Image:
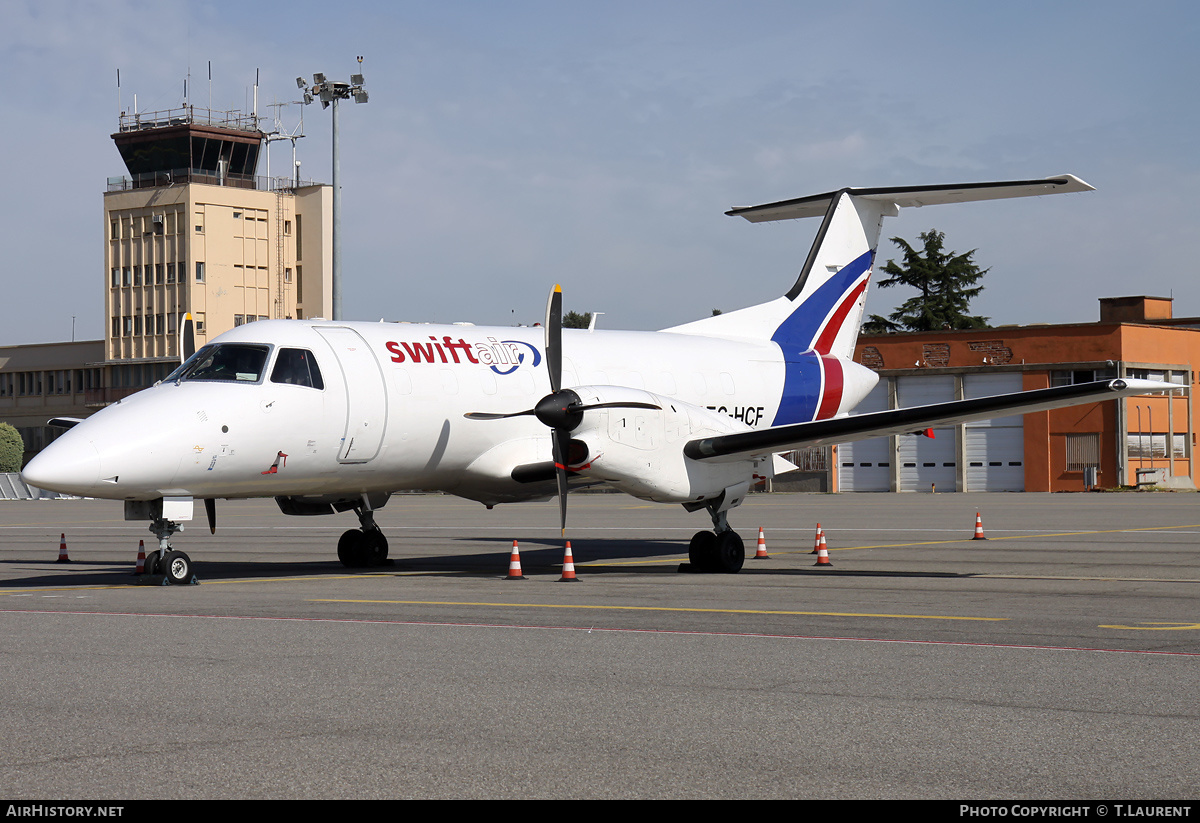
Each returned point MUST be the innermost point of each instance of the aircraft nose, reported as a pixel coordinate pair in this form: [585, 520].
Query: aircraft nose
[70, 468]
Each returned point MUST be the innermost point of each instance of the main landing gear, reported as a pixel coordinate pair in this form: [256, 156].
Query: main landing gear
[364, 546]
[720, 550]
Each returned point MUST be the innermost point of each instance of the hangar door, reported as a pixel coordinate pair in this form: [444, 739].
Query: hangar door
[865, 465]
[994, 449]
[926, 462]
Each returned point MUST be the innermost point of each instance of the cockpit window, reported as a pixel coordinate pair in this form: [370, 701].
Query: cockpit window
[298, 368]
[232, 362]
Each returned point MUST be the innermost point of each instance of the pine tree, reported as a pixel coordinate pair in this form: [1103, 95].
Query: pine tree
[575, 320]
[946, 282]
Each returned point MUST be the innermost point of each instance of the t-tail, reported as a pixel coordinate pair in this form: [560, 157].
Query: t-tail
[823, 309]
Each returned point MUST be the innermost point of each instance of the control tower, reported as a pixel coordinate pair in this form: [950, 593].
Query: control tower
[191, 228]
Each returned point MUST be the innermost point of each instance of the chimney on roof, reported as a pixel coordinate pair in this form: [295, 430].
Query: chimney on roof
[1134, 309]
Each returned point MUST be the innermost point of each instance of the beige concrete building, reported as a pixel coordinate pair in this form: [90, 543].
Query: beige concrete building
[190, 229]
[193, 230]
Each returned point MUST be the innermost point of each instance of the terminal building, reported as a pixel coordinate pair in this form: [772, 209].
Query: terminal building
[190, 228]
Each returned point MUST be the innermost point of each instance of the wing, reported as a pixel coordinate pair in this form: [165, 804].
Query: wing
[906, 421]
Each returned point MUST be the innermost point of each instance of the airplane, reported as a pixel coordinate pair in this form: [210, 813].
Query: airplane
[327, 416]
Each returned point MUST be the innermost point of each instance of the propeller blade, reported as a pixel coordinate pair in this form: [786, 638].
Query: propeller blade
[616, 404]
[497, 415]
[554, 338]
[187, 338]
[210, 509]
[562, 444]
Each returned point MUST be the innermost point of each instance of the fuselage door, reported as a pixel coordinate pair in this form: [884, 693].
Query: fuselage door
[366, 394]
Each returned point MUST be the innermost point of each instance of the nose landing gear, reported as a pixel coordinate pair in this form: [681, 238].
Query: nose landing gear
[174, 566]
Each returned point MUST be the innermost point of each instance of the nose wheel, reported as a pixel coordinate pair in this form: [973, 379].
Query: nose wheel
[174, 566]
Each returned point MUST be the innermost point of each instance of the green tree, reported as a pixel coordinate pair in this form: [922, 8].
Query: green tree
[12, 448]
[575, 320]
[946, 281]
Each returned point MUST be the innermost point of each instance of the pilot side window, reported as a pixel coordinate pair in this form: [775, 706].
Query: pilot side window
[297, 367]
[235, 362]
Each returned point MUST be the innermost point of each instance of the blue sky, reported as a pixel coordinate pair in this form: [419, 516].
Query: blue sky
[511, 145]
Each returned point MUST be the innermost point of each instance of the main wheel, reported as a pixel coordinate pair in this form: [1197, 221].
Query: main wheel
[177, 566]
[151, 564]
[376, 547]
[352, 549]
[702, 551]
[730, 552]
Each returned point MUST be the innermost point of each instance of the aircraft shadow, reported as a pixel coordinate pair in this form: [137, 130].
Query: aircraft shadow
[539, 557]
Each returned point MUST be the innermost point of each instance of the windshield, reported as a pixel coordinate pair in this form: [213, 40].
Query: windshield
[234, 362]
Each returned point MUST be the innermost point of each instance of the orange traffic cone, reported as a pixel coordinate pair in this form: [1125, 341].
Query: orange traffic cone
[978, 527]
[62, 549]
[514, 564]
[823, 553]
[141, 558]
[817, 539]
[761, 554]
[568, 575]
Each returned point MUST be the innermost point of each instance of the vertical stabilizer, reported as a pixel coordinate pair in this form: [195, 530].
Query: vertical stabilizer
[823, 310]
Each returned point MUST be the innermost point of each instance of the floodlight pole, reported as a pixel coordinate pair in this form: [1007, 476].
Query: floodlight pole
[337, 221]
[329, 93]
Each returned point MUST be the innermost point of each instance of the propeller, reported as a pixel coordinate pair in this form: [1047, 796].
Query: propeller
[562, 409]
[210, 509]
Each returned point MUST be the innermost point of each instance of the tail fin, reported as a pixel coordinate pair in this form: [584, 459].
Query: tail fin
[822, 311]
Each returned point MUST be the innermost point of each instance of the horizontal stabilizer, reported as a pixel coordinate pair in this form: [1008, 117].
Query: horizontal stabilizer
[912, 196]
[907, 421]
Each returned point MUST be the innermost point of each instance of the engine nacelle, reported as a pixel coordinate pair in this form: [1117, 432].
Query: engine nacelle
[640, 451]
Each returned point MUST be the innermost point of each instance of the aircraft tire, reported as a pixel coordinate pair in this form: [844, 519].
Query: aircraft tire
[376, 546]
[702, 551]
[730, 552]
[151, 564]
[177, 566]
[352, 549]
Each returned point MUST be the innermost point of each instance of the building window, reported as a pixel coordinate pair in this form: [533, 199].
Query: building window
[170, 272]
[158, 274]
[1071, 377]
[137, 275]
[126, 277]
[1083, 452]
[114, 230]
[199, 271]
[287, 228]
[116, 277]
[287, 275]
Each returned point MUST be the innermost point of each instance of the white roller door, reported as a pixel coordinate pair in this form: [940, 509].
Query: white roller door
[865, 465]
[926, 463]
[995, 449]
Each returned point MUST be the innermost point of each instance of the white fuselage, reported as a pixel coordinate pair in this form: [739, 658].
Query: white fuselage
[390, 414]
